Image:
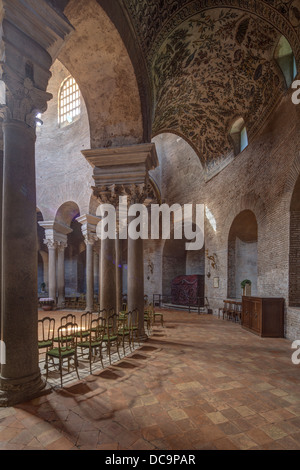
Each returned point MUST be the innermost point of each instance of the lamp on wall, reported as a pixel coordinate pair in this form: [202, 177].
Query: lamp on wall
[212, 262]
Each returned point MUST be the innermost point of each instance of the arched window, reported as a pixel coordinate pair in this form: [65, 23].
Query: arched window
[285, 58]
[239, 136]
[69, 102]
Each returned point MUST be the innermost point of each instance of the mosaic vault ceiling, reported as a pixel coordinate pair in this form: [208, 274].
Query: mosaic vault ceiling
[215, 67]
[208, 61]
[212, 66]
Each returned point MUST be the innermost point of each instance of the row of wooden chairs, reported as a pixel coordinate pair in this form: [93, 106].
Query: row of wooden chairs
[96, 334]
[231, 310]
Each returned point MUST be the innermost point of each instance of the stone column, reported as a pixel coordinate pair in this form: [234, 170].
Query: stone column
[108, 274]
[61, 274]
[1, 192]
[52, 250]
[56, 237]
[119, 273]
[119, 172]
[89, 224]
[45, 258]
[28, 32]
[89, 275]
[96, 268]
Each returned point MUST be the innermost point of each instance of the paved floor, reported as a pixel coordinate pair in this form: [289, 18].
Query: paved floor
[198, 383]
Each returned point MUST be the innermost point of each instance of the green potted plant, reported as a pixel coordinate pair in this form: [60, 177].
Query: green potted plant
[43, 287]
[244, 285]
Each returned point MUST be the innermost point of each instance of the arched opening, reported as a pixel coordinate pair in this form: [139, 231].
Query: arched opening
[294, 261]
[75, 261]
[286, 60]
[69, 102]
[183, 273]
[75, 251]
[242, 254]
[239, 136]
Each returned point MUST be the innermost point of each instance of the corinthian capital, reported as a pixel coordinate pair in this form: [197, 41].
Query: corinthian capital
[23, 100]
[51, 244]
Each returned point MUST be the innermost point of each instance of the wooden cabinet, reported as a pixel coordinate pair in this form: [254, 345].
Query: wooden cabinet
[264, 316]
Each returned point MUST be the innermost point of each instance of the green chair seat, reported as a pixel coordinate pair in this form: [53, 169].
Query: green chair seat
[87, 344]
[82, 334]
[45, 344]
[123, 332]
[64, 353]
[109, 338]
[58, 340]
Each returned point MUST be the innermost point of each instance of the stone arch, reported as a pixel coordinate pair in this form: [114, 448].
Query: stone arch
[242, 253]
[115, 114]
[66, 213]
[182, 136]
[292, 179]
[294, 261]
[177, 260]
[249, 201]
[75, 252]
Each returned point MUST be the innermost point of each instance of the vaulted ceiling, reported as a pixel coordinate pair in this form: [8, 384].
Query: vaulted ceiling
[207, 62]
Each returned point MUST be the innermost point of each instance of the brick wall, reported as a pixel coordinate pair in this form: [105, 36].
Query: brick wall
[260, 179]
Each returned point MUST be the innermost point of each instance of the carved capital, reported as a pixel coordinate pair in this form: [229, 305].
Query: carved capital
[142, 193]
[23, 100]
[51, 244]
[61, 246]
[90, 240]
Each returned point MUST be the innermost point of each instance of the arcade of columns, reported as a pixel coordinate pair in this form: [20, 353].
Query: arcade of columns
[29, 44]
[118, 172]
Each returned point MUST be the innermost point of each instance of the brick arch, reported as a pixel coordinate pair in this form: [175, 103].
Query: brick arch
[292, 180]
[250, 201]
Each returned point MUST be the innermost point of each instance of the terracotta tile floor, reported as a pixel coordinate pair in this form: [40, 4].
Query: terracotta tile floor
[198, 383]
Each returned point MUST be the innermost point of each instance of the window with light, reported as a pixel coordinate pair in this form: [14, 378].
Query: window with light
[69, 102]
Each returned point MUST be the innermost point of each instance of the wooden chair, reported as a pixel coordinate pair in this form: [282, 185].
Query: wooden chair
[239, 307]
[134, 327]
[160, 317]
[111, 338]
[149, 317]
[124, 332]
[231, 310]
[70, 318]
[46, 329]
[94, 343]
[226, 308]
[84, 330]
[66, 350]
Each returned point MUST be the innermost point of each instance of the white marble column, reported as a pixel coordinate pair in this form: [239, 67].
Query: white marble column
[45, 258]
[27, 34]
[61, 274]
[119, 274]
[89, 224]
[89, 275]
[52, 253]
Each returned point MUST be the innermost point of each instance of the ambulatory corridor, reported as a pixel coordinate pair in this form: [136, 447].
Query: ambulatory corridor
[198, 383]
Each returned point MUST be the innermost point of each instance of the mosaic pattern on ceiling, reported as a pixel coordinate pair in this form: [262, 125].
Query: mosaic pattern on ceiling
[216, 66]
[154, 19]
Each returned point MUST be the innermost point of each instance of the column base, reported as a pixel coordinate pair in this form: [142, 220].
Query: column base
[143, 337]
[14, 392]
